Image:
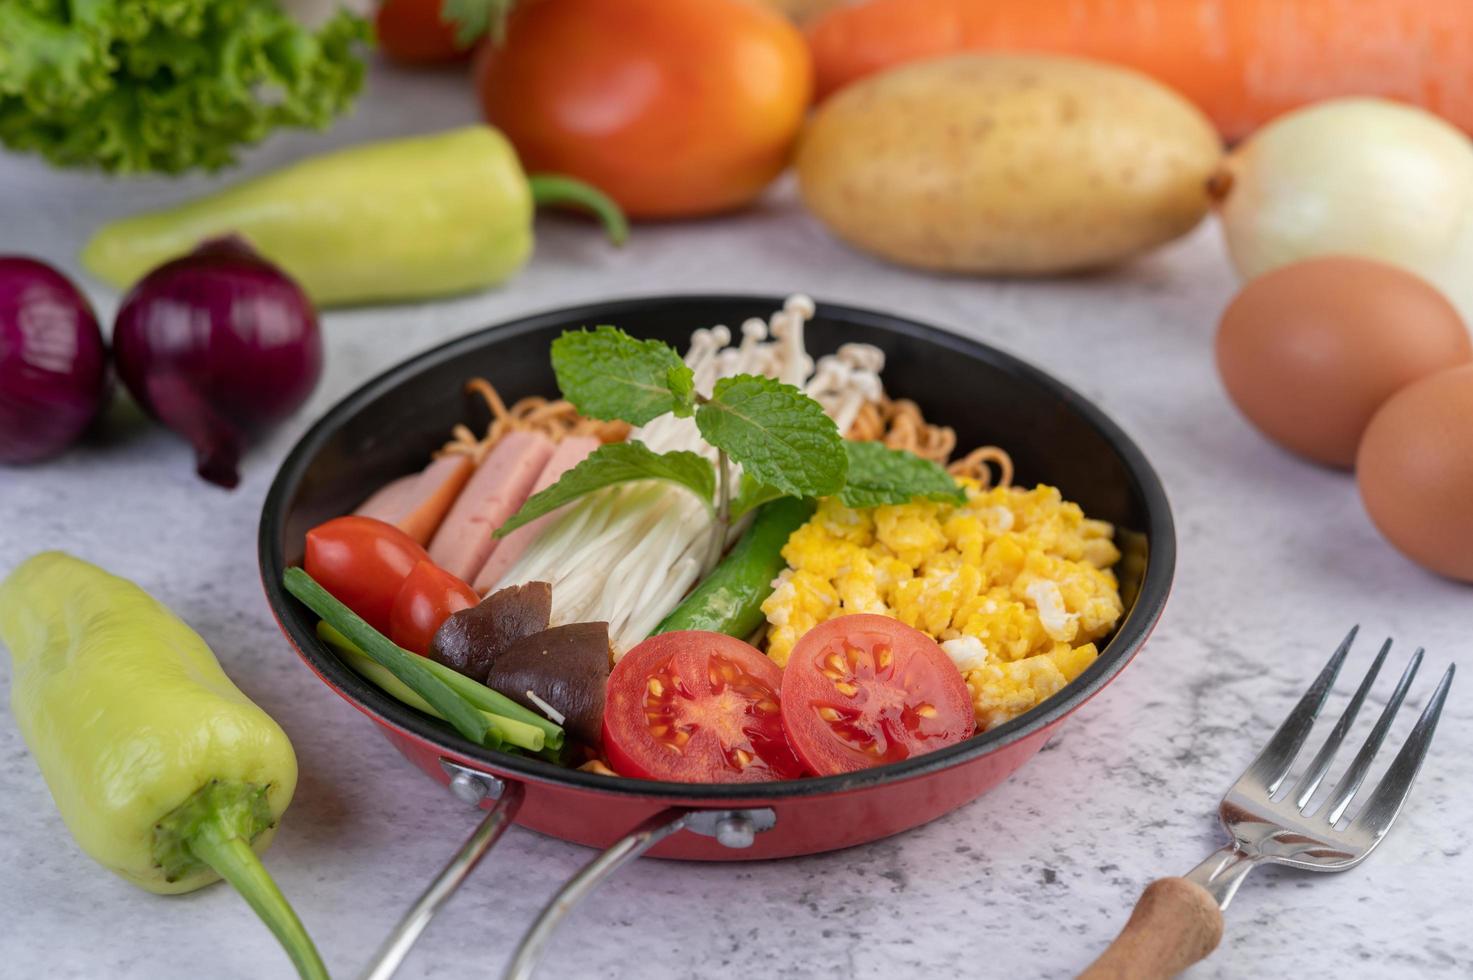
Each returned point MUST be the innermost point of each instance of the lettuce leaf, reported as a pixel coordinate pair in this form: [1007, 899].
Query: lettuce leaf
[132, 86]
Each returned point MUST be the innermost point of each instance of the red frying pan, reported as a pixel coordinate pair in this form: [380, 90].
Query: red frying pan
[389, 426]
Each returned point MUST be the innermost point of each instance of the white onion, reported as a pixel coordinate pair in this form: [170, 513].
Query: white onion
[1355, 177]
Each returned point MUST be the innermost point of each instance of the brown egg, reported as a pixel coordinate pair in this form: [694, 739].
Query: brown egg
[1310, 350]
[1415, 470]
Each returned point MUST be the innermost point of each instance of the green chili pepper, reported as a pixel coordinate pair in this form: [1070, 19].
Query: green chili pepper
[399, 219]
[730, 599]
[162, 769]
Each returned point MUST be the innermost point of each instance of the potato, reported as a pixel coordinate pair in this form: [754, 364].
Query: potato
[1007, 164]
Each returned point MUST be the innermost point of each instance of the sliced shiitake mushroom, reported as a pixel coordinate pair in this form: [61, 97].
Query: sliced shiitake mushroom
[567, 667]
[471, 640]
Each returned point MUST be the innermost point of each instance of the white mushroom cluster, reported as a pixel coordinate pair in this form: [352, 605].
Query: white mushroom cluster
[846, 380]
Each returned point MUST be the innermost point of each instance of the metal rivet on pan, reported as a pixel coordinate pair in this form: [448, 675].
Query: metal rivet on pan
[467, 788]
[735, 831]
[470, 785]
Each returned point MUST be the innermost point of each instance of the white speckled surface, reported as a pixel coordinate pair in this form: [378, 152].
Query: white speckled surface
[1276, 560]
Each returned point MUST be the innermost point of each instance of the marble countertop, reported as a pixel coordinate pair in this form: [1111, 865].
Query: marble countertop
[1277, 559]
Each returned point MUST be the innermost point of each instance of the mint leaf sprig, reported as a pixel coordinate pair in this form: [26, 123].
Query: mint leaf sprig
[784, 441]
[751, 495]
[880, 475]
[877, 475]
[779, 435]
[609, 375]
[619, 462]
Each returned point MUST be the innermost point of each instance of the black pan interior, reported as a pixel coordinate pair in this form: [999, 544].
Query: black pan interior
[389, 427]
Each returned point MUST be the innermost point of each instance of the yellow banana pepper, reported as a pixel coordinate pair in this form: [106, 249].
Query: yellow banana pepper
[400, 219]
[162, 769]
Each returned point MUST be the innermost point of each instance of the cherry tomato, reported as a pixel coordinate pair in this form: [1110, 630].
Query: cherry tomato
[411, 32]
[363, 563]
[697, 707]
[672, 107]
[426, 599]
[863, 690]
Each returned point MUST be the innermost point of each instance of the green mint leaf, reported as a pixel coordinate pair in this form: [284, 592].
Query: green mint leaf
[752, 495]
[779, 435]
[682, 382]
[619, 462]
[607, 374]
[879, 475]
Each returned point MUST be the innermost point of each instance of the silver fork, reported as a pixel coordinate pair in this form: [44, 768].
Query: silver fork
[1178, 921]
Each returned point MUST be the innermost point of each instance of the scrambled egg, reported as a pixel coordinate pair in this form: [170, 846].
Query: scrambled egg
[1015, 584]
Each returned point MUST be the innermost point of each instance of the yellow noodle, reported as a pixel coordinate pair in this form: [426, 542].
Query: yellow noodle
[974, 466]
[598, 766]
[899, 424]
[555, 419]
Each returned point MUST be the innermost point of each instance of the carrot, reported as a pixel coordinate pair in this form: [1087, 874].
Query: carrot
[1242, 61]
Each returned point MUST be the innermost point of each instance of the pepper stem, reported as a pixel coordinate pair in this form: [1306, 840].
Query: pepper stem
[215, 827]
[233, 859]
[559, 190]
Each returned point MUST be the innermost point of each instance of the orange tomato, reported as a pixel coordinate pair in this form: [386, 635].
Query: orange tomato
[672, 107]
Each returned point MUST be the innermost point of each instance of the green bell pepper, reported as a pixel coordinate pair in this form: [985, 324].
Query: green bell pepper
[395, 220]
[164, 772]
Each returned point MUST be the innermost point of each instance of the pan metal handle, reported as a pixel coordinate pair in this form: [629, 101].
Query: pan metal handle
[472, 787]
[731, 828]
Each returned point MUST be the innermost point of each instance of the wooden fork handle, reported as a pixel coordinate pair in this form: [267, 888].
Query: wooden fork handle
[1175, 924]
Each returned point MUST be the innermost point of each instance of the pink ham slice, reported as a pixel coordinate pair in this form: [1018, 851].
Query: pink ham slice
[416, 504]
[390, 501]
[569, 453]
[494, 492]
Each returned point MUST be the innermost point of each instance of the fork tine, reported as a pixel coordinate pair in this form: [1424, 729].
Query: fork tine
[1386, 800]
[1273, 763]
[1310, 781]
[1349, 783]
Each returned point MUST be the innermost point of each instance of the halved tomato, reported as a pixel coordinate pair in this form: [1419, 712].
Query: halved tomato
[426, 599]
[363, 562]
[863, 690]
[697, 707]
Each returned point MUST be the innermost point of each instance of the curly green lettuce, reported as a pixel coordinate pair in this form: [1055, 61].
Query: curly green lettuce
[131, 86]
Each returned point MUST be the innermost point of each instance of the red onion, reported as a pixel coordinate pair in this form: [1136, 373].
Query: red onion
[219, 345]
[53, 364]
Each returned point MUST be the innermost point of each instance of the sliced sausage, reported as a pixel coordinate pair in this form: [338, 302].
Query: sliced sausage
[493, 493]
[568, 454]
[416, 504]
[390, 501]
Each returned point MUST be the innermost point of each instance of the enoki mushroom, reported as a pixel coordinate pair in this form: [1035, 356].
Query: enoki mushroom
[899, 424]
[555, 419]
